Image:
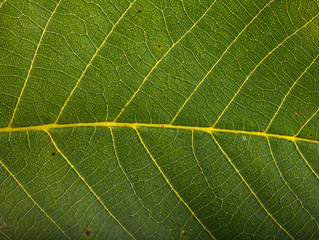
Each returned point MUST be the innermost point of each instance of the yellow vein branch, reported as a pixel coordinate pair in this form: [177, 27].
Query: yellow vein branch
[91, 60]
[2, 3]
[149, 125]
[86, 184]
[305, 160]
[198, 164]
[170, 185]
[262, 60]
[216, 63]
[158, 62]
[282, 177]
[32, 62]
[247, 185]
[34, 202]
[284, 99]
[1, 232]
[312, 116]
[127, 179]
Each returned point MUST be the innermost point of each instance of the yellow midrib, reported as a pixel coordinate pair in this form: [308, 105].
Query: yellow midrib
[150, 125]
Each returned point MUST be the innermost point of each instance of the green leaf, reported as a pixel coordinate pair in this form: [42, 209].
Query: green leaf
[161, 119]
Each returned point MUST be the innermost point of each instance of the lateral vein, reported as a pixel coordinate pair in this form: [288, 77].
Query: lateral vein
[32, 62]
[262, 60]
[293, 85]
[216, 63]
[170, 185]
[158, 62]
[91, 60]
[86, 184]
[247, 185]
[34, 202]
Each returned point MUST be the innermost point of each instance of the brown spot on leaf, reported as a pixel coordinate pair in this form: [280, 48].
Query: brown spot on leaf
[139, 10]
[88, 233]
[159, 45]
[3, 224]
[53, 154]
[311, 135]
[248, 38]
[297, 113]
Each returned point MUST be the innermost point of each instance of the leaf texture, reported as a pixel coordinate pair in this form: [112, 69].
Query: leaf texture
[161, 119]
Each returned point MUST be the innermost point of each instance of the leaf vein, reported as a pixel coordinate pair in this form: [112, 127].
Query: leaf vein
[32, 62]
[34, 202]
[284, 99]
[216, 63]
[247, 185]
[128, 180]
[170, 185]
[158, 62]
[274, 49]
[312, 116]
[305, 160]
[46, 127]
[86, 184]
[2, 3]
[91, 60]
[286, 183]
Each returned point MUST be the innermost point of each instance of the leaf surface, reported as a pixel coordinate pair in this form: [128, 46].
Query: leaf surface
[164, 119]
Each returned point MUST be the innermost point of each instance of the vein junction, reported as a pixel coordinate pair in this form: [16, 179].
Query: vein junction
[47, 127]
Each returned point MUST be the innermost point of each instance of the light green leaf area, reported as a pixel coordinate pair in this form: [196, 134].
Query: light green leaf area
[159, 119]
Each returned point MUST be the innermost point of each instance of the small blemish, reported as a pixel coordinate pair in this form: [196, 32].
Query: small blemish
[248, 38]
[297, 113]
[244, 138]
[139, 11]
[53, 154]
[159, 45]
[47, 230]
[3, 224]
[311, 134]
[184, 232]
[87, 233]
